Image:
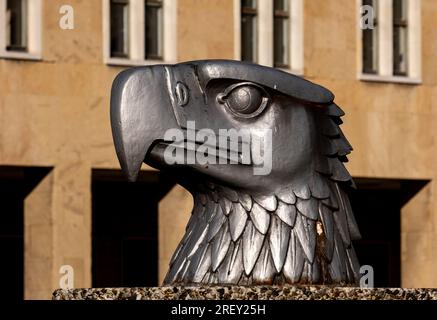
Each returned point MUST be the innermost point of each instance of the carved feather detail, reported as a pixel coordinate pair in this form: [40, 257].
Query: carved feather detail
[294, 263]
[303, 192]
[264, 270]
[226, 205]
[245, 201]
[269, 247]
[252, 245]
[301, 234]
[309, 208]
[279, 236]
[237, 221]
[260, 218]
[306, 233]
[220, 246]
[267, 202]
[228, 193]
[287, 213]
[286, 195]
[202, 262]
[231, 269]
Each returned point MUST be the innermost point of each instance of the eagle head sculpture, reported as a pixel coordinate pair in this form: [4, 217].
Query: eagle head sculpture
[292, 223]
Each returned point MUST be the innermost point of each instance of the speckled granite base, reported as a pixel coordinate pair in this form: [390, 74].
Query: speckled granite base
[246, 293]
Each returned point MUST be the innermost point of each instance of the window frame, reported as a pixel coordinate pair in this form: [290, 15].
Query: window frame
[253, 13]
[23, 47]
[385, 72]
[265, 34]
[126, 36]
[137, 49]
[401, 24]
[282, 15]
[375, 36]
[33, 49]
[155, 4]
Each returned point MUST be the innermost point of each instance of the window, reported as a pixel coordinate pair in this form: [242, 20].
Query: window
[21, 36]
[248, 30]
[134, 32]
[370, 41]
[16, 22]
[270, 33]
[391, 51]
[153, 29]
[119, 28]
[400, 37]
[281, 29]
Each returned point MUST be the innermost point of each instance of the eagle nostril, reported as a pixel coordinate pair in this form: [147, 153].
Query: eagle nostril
[182, 94]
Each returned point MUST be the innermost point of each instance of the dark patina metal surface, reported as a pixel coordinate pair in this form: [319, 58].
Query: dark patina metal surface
[294, 225]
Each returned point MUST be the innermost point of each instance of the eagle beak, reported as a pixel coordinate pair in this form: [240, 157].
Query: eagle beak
[141, 112]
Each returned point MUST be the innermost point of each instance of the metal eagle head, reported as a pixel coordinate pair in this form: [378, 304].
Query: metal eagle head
[286, 219]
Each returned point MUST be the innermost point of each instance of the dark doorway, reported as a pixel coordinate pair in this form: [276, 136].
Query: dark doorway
[15, 184]
[125, 228]
[377, 207]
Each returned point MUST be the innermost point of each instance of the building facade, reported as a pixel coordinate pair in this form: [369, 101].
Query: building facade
[59, 175]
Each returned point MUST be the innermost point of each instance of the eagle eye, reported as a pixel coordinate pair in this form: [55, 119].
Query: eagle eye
[244, 99]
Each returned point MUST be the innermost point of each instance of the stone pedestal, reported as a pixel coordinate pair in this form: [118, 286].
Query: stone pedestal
[246, 293]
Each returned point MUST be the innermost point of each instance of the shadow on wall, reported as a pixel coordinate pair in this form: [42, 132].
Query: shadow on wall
[377, 205]
[125, 228]
[15, 184]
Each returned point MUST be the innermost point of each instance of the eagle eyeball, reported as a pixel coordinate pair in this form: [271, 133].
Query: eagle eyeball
[245, 100]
